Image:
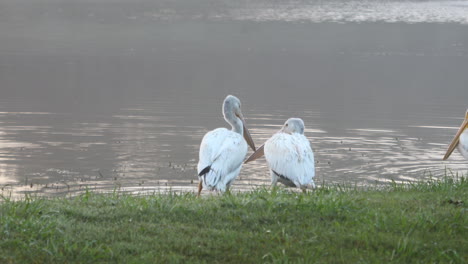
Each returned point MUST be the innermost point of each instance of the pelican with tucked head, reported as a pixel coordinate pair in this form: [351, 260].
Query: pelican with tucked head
[460, 140]
[222, 151]
[289, 156]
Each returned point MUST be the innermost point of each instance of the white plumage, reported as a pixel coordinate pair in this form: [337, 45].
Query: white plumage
[460, 140]
[222, 151]
[289, 156]
[463, 144]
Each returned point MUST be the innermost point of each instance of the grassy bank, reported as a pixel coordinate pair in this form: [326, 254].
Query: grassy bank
[413, 223]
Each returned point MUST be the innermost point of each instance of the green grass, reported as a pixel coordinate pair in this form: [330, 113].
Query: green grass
[424, 222]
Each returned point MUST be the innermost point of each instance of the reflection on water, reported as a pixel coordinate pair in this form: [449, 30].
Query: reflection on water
[355, 11]
[145, 151]
[103, 11]
[99, 95]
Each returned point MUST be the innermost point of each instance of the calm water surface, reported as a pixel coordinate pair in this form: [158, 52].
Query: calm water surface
[106, 95]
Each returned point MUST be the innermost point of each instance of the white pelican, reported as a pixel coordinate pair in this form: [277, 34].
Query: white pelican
[460, 140]
[222, 151]
[289, 156]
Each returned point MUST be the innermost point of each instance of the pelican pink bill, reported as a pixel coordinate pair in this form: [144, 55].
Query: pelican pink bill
[460, 140]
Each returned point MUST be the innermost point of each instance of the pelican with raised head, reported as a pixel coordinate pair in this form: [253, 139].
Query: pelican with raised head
[289, 156]
[460, 140]
[222, 151]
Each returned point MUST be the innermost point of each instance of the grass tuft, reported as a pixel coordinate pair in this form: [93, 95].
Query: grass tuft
[414, 222]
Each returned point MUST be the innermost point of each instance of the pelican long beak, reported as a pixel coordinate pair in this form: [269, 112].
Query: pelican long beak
[257, 154]
[247, 135]
[456, 139]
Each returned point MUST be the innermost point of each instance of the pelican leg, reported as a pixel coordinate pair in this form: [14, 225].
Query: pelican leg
[200, 187]
[274, 179]
[228, 187]
[311, 186]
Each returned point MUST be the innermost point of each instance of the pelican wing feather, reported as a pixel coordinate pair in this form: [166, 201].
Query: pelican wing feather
[221, 155]
[291, 156]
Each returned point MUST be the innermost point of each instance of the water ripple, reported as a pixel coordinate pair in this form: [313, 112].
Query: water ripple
[356, 11]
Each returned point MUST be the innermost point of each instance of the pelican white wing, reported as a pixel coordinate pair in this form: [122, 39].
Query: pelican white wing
[222, 152]
[463, 144]
[290, 157]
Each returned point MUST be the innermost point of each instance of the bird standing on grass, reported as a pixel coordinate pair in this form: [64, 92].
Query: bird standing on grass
[289, 156]
[460, 140]
[222, 151]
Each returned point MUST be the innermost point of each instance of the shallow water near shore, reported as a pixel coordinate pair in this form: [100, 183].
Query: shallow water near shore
[101, 96]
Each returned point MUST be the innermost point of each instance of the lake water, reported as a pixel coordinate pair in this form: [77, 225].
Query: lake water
[116, 95]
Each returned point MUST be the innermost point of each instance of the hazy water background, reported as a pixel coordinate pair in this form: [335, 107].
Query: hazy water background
[106, 94]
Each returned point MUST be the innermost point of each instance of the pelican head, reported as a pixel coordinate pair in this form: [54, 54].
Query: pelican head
[293, 125]
[456, 139]
[233, 115]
